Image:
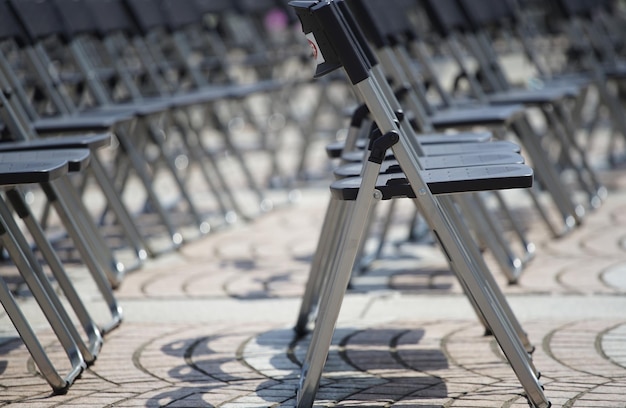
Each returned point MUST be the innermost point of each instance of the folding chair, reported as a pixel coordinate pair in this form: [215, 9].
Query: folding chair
[193, 90]
[397, 62]
[70, 216]
[27, 167]
[583, 65]
[337, 44]
[73, 214]
[572, 213]
[440, 151]
[596, 54]
[379, 26]
[487, 15]
[97, 53]
[24, 173]
[267, 66]
[63, 196]
[137, 120]
[209, 98]
[117, 33]
[31, 125]
[76, 159]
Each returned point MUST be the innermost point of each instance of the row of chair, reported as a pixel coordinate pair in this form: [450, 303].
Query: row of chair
[160, 107]
[396, 146]
[174, 86]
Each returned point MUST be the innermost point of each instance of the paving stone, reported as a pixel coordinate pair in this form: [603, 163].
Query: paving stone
[211, 325]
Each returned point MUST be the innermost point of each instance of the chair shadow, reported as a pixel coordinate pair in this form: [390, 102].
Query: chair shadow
[374, 364]
[8, 344]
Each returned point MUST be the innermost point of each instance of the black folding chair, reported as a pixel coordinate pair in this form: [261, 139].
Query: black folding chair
[137, 125]
[193, 90]
[25, 166]
[482, 18]
[447, 25]
[61, 194]
[379, 26]
[391, 41]
[17, 47]
[19, 173]
[574, 21]
[333, 33]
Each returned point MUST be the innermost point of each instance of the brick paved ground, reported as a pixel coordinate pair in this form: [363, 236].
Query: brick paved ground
[210, 325]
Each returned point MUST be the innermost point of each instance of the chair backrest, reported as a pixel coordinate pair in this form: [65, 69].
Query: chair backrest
[110, 16]
[40, 19]
[10, 29]
[576, 8]
[373, 20]
[255, 6]
[399, 30]
[383, 22]
[399, 26]
[214, 6]
[146, 14]
[76, 17]
[445, 16]
[181, 13]
[486, 13]
[609, 5]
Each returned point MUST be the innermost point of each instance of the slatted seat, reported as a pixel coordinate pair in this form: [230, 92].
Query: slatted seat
[445, 149]
[91, 142]
[19, 173]
[477, 19]
[394, 37]
[16, 172]
[438, 162]
[47, 167]
[333, 29]
[592, 64]
[441, 181]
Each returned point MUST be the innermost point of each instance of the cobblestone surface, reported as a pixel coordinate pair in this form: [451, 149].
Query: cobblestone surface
[210, 325]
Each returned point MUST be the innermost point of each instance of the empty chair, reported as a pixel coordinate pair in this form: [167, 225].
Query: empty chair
[330, 29]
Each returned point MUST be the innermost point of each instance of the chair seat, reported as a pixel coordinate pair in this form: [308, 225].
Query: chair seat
[442, 181]
[77, 159]
[217, 92]
[500, 146]
[75, 78]
[580, 79]
[438, 162]
[145, 107]
[94, 121]
[533, 96]
[492, 115]
[617, 71]
[263, 86]
[461, 137]
[91, 142]
[200, 96]
[333, 150]
[19, 172]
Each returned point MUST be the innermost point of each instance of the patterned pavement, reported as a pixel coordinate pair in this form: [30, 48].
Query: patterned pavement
[210, 325]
